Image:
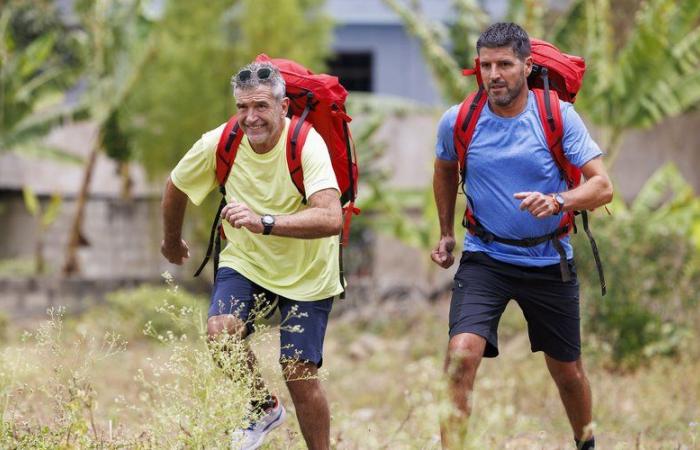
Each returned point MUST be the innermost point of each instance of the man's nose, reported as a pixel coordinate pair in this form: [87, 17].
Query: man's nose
[493, 73]
[250, 116]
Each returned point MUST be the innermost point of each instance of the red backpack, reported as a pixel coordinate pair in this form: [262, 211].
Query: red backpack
[555, 75]
[318, 101]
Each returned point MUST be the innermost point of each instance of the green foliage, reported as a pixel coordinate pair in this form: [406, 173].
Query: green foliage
[444, 67]
[185, 90]
[651, 256]
[38, 58]
[16, 267]
[294, 29]
[130, 312]
[114, 140]
[643, 67]
[469, 20]
[408, 215]
[44, 218]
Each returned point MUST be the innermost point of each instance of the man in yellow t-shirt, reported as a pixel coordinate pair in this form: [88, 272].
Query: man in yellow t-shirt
[277, 246]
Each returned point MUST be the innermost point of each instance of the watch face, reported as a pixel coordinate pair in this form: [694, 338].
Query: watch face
[268, 220]
[559, 199]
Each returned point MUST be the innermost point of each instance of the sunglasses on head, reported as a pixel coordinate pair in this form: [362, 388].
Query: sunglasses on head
[263, 74]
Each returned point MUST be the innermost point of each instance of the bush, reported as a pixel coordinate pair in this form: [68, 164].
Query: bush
[128, 312]
[652, 267]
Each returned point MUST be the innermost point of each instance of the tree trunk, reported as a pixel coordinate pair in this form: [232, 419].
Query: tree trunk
[126, 181]
[39, 262]
[71, 265]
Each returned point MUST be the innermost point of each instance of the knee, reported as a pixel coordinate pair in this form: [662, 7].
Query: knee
[570, 378]
[464, 353]
[225, 325]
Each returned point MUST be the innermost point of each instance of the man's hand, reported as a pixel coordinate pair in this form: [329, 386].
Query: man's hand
[539, 205]
[239, 215]
[442, 254]
[176, 252]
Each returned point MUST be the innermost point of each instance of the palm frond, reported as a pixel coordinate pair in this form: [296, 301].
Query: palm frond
[445, 69]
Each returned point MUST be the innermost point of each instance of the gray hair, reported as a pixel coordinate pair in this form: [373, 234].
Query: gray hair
[274, 80]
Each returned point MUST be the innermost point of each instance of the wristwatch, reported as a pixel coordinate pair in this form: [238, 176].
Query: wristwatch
[268, 222]
[560, 201]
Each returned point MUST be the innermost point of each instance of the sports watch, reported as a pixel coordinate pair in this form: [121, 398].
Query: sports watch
[560, 201]
[268, 222]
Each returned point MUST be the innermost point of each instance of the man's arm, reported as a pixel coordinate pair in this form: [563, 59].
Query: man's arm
[445, 185]
[595, 191]
[174, 203]
[322, 218]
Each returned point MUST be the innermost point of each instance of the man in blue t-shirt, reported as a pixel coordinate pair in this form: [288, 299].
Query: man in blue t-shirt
[515, 191]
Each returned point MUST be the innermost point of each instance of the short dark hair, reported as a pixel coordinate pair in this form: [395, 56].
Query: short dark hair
[504, 34]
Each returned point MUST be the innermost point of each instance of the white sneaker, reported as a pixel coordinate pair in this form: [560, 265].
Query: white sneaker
[253, 436]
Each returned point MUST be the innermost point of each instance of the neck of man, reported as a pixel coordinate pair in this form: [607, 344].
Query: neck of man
[513, 108]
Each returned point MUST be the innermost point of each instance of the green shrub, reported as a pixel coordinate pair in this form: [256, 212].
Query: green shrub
[652, 268]
[168, 309]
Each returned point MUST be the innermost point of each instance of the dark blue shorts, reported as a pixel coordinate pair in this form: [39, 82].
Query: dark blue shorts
[302, 323]
[483, 287]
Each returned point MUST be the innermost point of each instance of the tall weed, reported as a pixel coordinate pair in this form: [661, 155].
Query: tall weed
[52, 383]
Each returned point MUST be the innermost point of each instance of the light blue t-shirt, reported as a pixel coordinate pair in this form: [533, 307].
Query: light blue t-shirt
[509, 155]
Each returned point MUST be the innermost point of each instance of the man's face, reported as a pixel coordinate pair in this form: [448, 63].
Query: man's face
[261, 116]
[503, 73]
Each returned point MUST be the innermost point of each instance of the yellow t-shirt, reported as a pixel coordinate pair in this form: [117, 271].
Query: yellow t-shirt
[299, 269]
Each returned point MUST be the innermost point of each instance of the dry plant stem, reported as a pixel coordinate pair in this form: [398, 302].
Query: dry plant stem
[92, 423]
[403, 423]
[224, 330]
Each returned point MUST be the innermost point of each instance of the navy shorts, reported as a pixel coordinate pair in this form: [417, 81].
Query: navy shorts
[302, 323]
[483, 287]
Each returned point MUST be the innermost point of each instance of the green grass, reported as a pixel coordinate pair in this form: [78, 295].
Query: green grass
[72, 385]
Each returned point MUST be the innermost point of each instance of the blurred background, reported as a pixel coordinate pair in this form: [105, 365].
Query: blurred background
[99, 99]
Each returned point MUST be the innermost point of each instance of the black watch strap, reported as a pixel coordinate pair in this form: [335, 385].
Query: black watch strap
[268, 222]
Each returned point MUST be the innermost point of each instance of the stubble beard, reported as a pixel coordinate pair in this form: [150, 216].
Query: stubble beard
[510, 95]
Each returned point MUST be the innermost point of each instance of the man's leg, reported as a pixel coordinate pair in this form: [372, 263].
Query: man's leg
[464, 353]
[302, 332]
[223, 330]
[235, 301]
[310, 403]
[575, 393]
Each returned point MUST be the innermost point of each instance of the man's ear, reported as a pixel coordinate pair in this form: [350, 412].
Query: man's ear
[528, 66]
[285, 106]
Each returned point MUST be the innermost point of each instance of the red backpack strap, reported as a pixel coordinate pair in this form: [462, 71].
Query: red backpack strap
[468, 116]
[550, 116]
[296, 138]
[226, 151]
[464, 127]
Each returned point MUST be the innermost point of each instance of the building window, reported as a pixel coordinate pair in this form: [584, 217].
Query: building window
[353, 69]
